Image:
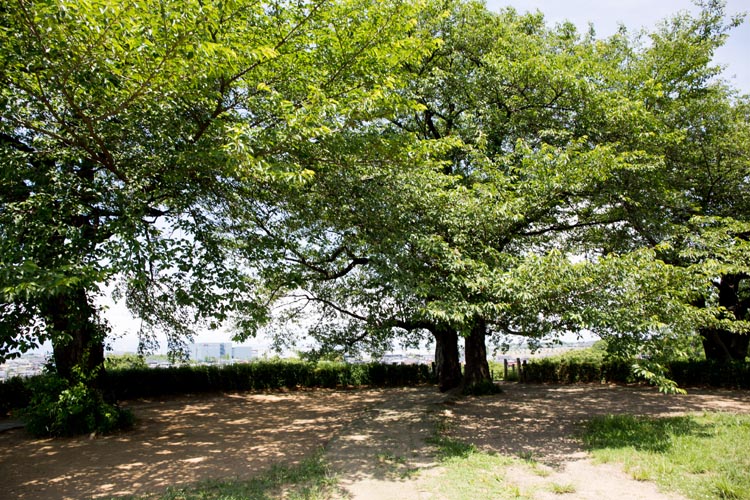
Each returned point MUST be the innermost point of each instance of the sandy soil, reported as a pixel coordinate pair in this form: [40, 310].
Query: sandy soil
[374, 440]
[179, 441]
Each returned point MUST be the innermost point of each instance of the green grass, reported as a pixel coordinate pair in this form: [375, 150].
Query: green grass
[562, 488]
[700, 456]
[471, 473]
[309, 480]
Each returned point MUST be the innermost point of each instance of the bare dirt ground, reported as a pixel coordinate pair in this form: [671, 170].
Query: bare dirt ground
[374, 440]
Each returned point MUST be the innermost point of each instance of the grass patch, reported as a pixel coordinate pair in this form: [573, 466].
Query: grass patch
[471, 473]
[562, 489]
[700, 456]
[309, 480]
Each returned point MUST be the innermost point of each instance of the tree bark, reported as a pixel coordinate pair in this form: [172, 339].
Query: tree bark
[477, 369]
[447, 362]
[723, 345]
[77, 340]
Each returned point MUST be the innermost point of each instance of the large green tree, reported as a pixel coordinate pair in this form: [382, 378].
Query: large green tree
[417, 218]
[128, 127]
[686, 206]
[530, 186]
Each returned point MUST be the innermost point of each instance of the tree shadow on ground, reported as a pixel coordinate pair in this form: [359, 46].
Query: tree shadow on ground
[178, 441]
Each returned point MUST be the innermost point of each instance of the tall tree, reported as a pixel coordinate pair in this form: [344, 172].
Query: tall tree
[415, 220]
[688, 202]
[126, 129]
[519, 146]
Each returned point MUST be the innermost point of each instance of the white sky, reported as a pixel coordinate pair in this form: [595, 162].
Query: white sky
[606, 16]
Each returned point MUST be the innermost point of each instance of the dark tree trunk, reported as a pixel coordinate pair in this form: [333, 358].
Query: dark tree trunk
[77, 340]
[723, 345]
[447, 363]
[477, 369]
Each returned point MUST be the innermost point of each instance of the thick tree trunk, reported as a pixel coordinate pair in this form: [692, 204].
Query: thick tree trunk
[477, 369]
[447, 362]
[723, 345]
[77, 339]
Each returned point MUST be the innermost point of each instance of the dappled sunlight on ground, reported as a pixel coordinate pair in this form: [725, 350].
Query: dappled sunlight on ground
[541, 421]
[376, 440]
[179, 441]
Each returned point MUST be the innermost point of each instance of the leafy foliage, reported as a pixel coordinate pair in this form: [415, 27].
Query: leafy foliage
[124, 361]
[130, 132]
[536, 182]
[399, 169]
[61, 408]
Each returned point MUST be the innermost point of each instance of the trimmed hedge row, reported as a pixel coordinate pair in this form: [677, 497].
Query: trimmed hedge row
[571, 372]
[732, 375]
[131, 383]
[149, 382]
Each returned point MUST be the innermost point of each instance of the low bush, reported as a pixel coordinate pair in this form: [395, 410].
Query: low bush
[704, 372]
[127, 360]
[60, 408]
[486, 388]
[564, 371]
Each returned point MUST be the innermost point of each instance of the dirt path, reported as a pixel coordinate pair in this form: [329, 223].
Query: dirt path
[374, 440]
[384, 453]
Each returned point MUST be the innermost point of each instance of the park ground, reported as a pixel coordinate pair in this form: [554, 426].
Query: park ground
[378, 443]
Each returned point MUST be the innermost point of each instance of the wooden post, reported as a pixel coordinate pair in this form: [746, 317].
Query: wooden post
[520, 374]
[505, 369]
[523, 371]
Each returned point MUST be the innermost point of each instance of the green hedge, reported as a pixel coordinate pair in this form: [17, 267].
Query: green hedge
[733, 375]
[264, 375]
[570, 372]
[131, 383]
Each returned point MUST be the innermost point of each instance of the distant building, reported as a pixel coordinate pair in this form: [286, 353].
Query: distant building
[221, 351]
[244, 353]
[211, 351]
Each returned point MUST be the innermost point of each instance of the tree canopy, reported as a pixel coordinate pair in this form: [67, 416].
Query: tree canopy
[541, 182]
[128, 127]
[403, 168]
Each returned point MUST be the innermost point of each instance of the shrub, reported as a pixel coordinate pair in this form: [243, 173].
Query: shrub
[260, 375]
[731, 375]
[565, 371]
[120, 361]
[61, 408]
[686, 373]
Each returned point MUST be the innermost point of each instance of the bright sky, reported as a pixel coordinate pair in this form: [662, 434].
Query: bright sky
[606, 16]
